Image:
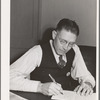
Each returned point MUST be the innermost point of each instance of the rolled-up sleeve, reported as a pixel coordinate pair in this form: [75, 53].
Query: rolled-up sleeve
[22, 68]
[79, 70]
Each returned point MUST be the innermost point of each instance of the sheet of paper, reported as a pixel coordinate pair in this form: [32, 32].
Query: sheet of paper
[16, 97]
[70, 95]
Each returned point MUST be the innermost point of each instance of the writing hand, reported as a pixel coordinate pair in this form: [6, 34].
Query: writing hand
[83, 89]
[50, 88]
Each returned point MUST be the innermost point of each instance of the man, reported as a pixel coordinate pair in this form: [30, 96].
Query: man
[43, 60]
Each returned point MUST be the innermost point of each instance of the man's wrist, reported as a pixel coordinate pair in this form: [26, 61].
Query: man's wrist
[89, 84]
[39, 89]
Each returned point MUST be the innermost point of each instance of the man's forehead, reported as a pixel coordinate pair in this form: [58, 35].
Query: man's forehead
[67, 35]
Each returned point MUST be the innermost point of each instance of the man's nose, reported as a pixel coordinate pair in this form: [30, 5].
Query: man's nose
[66, 46]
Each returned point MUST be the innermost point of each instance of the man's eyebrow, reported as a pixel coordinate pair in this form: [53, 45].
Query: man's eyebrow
[69, 42]
[72, 42]
[66, 40]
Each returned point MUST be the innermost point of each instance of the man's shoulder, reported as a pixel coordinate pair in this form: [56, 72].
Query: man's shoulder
[75, 47]
[36, 48]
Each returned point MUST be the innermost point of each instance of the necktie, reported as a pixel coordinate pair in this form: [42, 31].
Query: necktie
[61, 63]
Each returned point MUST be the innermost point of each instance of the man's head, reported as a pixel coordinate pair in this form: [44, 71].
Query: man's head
[65, 36]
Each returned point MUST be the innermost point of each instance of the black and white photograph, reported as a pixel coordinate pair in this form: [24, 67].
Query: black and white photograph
[52, 50]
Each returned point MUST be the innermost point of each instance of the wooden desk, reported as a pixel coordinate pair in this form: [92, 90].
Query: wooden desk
[37, 96]
[31, 95]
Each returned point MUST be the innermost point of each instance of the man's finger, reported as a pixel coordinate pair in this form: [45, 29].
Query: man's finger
[55, 89]
[79, 89]
[91, 91]
[88, 92]
[84, 91]
[53, 92]
[76, 89]
[59, 84]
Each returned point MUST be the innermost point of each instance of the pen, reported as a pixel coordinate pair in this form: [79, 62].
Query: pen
[54, 81]
[52, 78]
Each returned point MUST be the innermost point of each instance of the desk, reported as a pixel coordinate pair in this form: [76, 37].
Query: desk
[31, 95]
[37, 96]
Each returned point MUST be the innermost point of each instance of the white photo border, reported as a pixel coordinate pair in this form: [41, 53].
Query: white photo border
[5, 49]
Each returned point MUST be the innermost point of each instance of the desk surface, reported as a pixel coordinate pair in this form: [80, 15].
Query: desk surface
[38, 96]
[31, 95]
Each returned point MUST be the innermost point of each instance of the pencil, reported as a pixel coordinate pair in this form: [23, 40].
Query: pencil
[52, 78]
[54, 81]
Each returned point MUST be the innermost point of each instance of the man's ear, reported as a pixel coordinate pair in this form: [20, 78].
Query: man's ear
[54, 33]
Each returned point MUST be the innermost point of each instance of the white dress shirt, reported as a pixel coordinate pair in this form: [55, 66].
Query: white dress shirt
[22, 68]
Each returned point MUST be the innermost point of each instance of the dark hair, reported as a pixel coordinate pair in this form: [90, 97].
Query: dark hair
[69, 25]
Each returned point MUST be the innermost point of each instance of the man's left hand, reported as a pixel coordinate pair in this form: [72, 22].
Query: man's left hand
[84, 89]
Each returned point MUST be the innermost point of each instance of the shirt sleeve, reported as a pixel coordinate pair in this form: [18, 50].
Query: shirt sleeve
[22, 68]
[79, 70]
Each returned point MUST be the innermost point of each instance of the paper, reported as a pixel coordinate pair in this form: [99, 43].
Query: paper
[70, 95]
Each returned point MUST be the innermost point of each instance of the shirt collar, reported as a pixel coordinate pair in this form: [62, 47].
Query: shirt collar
[55, 54]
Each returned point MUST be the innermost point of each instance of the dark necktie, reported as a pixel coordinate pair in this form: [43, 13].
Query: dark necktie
[61, 63]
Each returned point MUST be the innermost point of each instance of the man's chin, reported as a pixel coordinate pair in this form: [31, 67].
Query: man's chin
[59, 53]
[62, 53]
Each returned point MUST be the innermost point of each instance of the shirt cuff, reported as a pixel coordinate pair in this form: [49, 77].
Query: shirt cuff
[33, 86]
[89, 84]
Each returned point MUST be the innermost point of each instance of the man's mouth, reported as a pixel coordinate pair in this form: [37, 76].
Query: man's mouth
[63, 51]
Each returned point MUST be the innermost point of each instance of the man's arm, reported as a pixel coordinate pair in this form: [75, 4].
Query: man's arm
[21, 68]
[80, 72]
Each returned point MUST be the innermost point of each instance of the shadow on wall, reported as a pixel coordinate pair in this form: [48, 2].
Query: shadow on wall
[47, 35]
[14, 55]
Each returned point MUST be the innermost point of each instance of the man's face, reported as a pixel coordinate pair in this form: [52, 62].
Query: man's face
[64, 41]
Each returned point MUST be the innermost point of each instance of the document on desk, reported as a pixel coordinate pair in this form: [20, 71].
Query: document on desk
[16, 97]
[70, 95]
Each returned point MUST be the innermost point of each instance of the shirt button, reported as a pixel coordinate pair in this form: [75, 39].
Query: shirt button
[68, 74]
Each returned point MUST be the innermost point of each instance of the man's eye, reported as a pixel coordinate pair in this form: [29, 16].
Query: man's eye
[71, 44]
[63, 42]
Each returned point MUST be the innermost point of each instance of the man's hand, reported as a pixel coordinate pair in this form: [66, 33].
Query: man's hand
[50, 88]
[84, 89]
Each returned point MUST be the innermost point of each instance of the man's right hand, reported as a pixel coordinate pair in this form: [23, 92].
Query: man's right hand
[50, 88]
